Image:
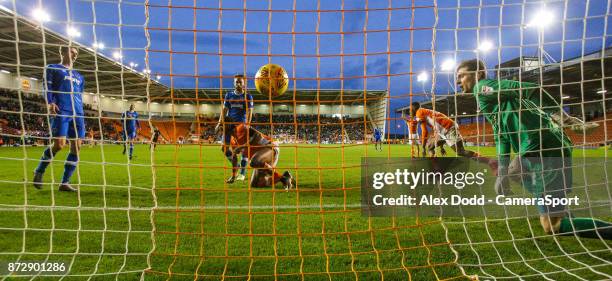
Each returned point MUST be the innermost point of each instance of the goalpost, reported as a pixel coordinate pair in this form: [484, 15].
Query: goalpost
[168, 214]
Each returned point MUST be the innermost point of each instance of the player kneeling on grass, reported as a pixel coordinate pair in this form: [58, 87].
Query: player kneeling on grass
[263, 152]
[434, 142]
[445, 131]
[544, 151]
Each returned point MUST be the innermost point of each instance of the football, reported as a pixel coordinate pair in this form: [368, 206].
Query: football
[272, 80]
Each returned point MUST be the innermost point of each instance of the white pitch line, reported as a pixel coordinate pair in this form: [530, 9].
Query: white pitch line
[600, 203]
[195, 208]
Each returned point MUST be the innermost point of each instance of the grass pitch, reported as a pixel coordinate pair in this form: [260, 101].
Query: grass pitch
[203, 229]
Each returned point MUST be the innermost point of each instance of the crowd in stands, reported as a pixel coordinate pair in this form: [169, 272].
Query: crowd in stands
[307, 128]
[312, 128]
[29, 112]
[12, 119]
[207, 128]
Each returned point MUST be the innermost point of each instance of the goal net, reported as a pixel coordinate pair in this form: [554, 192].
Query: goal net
[154, 199]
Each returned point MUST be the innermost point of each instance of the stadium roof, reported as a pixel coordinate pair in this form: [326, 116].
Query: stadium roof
[26, 52]
[30, 55]
[577, 80]
[301, 96]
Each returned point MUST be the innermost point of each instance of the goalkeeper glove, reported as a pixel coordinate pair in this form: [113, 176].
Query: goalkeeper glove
[502, 182]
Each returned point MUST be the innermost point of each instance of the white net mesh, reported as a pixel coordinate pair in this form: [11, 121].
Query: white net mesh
[160, 208]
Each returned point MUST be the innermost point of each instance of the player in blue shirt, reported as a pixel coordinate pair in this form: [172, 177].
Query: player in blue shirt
[131, 126]
[377, 139]
[64, 87]
[237, 108]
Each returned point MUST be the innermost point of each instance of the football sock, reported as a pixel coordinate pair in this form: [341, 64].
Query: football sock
[586, 227]
[228, 153]
[45, 160]
[276, 178]
[131, 150]
[243, 164]
[69, 167]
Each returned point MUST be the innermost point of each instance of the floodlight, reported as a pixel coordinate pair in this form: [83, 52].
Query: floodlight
[541, 19]
[73, 32]
[40, 15]
[448, 65]
[422, 77]
[98, 46]
[485, 46]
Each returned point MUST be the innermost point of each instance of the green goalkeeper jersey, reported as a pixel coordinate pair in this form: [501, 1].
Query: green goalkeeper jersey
[519, 123]
[536, 94]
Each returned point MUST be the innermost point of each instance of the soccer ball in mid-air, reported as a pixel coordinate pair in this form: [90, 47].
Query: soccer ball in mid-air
[271, 79]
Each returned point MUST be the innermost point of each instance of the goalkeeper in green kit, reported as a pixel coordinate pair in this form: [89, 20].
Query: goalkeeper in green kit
[526, 120]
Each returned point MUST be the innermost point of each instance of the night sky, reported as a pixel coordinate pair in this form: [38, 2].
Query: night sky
[367, 46]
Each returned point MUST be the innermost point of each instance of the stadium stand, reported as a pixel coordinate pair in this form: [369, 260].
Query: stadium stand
[145, 130]
[172, 130]
[477, 132]
[306, 128]
[481, 133]
[597, 137]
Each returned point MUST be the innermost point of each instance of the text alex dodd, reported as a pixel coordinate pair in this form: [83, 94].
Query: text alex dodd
[429, 200]
[455, 200]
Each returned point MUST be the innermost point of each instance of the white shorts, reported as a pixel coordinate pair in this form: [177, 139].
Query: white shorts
[451, 136]
[414, 139]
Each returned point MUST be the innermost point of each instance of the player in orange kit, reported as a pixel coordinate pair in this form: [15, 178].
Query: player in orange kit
[413, 136]
[445, 131]
[263, 153]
